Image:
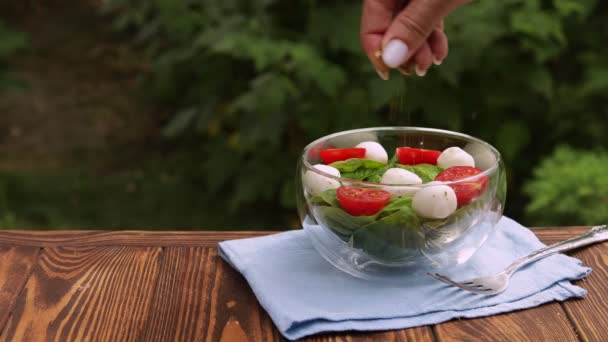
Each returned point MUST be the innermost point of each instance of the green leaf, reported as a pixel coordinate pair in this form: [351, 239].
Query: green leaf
[393, 238]
[327, 197]
[569, 7]
[340, 221]
[398, 203]
[362, 174]
[179, 123]
[354, 164]
[541, 25]
[374, 178]
[540, 80]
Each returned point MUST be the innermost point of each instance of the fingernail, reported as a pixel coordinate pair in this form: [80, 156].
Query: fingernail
[404, 71]
[394, 53]
[437, 61]
[420, 72]
[383, 74]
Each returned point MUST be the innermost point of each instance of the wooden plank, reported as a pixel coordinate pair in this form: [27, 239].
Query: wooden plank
[553, 235]
[545, 323]
[15, 266]
[404, 335]
[589, 314]
[197, 294]
[234, 310]
[122, 238]
[199, 297]
[180, 238]
[85, 293]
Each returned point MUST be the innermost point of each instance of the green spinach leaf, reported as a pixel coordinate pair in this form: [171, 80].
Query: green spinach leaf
[362, 174]
[341, 222]
[353, 164]
[398, 203]
[392, 238]
[327, 197]
[376, 177]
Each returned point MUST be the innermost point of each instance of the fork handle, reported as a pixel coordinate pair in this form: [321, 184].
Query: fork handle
[595, 234]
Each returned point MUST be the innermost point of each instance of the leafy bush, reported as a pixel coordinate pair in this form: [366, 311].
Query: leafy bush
[569, 187]
[254, 81]
[10, 42]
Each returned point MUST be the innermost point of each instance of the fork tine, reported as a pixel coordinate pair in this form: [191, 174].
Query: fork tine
[449, 281]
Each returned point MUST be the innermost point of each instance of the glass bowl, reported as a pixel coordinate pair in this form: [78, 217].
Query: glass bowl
[400, 241]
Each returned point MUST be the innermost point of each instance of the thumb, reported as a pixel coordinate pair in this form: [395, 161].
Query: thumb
[411, 27]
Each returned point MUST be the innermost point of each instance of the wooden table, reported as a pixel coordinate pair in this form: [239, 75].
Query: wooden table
[145, 286]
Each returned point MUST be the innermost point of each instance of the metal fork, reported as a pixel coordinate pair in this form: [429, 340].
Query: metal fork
[499, 282]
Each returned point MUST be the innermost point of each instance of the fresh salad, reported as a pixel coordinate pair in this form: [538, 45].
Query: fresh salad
[385, 219]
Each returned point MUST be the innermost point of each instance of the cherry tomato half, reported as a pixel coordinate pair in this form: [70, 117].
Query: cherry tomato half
[413, 156]
[467, 191]
[337, 154]
[362, 201]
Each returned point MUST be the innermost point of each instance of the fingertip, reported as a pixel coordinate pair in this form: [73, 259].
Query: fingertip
[423, 59]
[438, 42]
[383, 74]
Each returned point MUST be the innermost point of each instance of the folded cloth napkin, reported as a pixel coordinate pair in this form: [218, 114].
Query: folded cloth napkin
[305, 295]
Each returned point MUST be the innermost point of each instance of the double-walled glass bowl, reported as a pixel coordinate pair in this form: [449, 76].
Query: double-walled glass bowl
[394, 246]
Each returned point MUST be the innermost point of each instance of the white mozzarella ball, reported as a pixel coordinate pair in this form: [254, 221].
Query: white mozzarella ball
[400, 176]
[316, 183]
[397, 175]
[435, 202]
[374, 151]
[455, 156]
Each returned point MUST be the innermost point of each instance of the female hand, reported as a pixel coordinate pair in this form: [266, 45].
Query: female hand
[411, 39]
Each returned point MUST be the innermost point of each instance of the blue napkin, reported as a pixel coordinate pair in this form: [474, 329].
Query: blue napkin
[305, 295]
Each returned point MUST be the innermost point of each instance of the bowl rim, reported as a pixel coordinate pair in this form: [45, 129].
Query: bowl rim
[489, 171]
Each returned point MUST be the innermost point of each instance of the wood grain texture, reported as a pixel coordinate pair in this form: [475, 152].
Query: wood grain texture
[124, 286]
[85, 293]
[553, 235]
[122, 238]
[181, 303]
[403, 335]
[199, 297]
[15, 266]
[589, 314]
[544, 323]
[179, 238]
[234, 306]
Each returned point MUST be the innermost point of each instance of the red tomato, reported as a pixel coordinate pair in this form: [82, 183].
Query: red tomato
[337, 154]
[362, 201]
[467, 191]
[413, 156]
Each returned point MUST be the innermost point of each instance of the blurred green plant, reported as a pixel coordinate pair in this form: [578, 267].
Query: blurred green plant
[159, 194]
[10, 43]
[569, 187]
[254, 81]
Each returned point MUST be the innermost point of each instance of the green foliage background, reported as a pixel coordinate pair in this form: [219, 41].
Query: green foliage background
[252, 82]
[257, 80]
[575, 193]
[10, 43]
